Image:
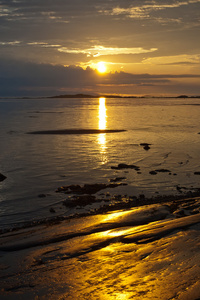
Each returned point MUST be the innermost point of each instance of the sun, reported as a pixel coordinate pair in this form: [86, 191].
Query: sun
[101, 67]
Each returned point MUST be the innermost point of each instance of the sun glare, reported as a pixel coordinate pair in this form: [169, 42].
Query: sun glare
[102, 113]
[101, 67]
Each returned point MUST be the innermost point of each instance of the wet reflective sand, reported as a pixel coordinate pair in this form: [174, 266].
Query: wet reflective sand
[150, 252]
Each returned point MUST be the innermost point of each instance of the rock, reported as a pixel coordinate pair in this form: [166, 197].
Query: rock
[2, 177]
[52, 210]
[163, 171]
[153, 172]
[145, 146]
[160, 170]
[82, 200]
[75, 187]
[41, 195]
[125, 166]
[87, 188]
[179, 189]
[196, 173]
[117, 179]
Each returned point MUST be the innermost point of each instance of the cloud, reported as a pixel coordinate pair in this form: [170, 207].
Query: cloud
[96, 51]
[66, 11]
[12, 43]
[22, 78]
[182, 63]
[29, 79]
[42, 10]
[40, 37]
[43, 44]
[177, 59]
[144, 10]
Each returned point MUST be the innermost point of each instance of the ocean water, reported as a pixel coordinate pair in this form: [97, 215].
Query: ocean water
[39, 164]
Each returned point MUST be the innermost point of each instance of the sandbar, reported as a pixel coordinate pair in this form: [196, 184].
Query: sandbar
[76, 131]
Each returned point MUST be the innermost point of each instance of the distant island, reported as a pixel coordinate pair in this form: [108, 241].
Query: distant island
[117, 96]
[92, 96]
[74, 96]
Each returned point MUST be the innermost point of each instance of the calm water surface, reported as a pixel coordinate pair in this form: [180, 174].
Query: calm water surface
[39, 164]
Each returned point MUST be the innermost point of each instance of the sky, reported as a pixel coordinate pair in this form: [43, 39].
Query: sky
[148, 47]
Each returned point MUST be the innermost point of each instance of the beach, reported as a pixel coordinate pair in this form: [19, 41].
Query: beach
[99, 150]
[146, 252]
[100, 199]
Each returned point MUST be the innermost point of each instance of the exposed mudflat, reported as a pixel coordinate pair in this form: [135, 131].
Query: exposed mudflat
[148, 252]
[76, 131]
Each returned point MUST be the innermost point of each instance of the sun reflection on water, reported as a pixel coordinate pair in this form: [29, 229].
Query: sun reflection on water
[102, 125]
[102, 113]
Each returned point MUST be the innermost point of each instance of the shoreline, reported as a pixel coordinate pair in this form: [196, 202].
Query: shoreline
[149, 251]
[123, 203]
[103, 96]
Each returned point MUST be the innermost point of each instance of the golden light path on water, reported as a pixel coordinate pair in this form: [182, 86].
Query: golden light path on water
[102, 125]
[102, 113]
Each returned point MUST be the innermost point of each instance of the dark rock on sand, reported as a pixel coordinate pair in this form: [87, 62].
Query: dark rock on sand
[125, 166]
[196, 173]
[179, 189]
[117, 179]
[153, 172]
[41, 196]
[145, 146]
[80, 200]
[160, 171]
[163, 171]
[52, 210]
[87, 188]
[2, 177]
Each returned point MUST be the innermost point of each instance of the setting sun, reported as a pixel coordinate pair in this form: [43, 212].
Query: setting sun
[101, 67]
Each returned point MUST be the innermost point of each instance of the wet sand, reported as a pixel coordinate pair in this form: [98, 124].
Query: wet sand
[146, 252]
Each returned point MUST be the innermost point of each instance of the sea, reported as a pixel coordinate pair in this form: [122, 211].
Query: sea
[36, 165]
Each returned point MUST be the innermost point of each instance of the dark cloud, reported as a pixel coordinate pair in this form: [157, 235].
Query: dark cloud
[32, 32]
[183, 63]
[28, 79]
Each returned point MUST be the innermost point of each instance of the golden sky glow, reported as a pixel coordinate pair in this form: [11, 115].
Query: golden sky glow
[101, 67]
[148, 47]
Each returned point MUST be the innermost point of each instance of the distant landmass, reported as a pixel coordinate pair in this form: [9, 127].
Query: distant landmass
[92, 96]
[116, 96]
[103, 96]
